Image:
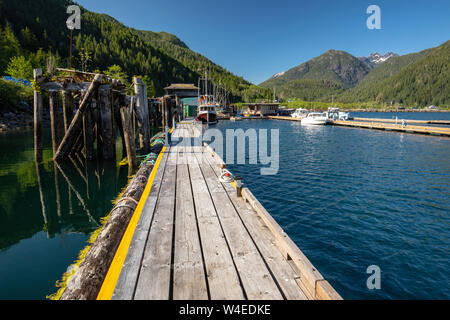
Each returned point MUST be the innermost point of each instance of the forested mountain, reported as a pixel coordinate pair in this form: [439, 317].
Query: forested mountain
[36, 30]
[417, 79]
[333, 65]
[311, 90]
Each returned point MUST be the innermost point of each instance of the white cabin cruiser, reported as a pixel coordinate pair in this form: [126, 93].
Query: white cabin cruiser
[300, 113]
[315, 118]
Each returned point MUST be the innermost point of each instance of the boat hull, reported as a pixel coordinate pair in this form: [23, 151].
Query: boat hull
[204, 118]
[314, 122]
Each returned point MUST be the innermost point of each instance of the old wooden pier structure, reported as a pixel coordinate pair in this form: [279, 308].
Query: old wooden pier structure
[86, 109]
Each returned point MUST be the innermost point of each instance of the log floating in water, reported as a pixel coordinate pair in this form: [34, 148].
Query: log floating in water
[87, 280]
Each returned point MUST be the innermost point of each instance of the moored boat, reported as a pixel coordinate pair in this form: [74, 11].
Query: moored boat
[207, 114]
[315, 118]
[299, 113]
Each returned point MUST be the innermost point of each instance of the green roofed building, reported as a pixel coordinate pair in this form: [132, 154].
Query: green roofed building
[190, 106]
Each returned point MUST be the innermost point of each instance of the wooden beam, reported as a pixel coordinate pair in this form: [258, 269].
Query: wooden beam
[56, 120]
[76, 125]
[127, 125]
[106, 118]
[67, 100]
[88, 128]
[142, 115]
[37, 74]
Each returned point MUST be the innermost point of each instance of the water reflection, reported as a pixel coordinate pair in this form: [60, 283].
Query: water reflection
[47, 212]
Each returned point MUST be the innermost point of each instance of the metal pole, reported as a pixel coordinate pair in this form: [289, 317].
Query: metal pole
[70, 59]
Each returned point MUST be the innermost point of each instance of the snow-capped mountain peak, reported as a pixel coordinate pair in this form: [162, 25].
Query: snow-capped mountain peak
[278, 75]
[377, 58]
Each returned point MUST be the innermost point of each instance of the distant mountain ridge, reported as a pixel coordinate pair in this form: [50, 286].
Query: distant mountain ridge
[333, 65]
[417, 79]
[340, 75]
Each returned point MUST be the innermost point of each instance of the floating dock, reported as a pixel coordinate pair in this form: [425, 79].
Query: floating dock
[384, 124]
[436, 131]
[398, 121]
[195, 238]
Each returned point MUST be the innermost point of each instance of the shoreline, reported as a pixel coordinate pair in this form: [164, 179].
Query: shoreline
[20, 119]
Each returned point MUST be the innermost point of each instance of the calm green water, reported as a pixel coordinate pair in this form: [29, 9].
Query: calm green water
[47, 213]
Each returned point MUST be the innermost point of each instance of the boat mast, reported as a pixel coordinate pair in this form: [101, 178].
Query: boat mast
[206, 86]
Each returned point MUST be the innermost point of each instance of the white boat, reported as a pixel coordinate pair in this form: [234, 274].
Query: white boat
[315, 118]
[299, 113]
[336, 114]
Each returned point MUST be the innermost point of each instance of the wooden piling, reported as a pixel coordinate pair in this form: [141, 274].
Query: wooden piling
[106, 118]
[126, 114]
[67, 101]
[76, 125]
[142, 114]
[56, 120]
[117, 103]
[88, 128]
[37, 74]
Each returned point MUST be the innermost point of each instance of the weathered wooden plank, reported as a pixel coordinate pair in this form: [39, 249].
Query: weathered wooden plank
[126, 284]
[189, 282]
[256, 278]
[266, 243]
[222, 276]
[154, 278]
[324, 291]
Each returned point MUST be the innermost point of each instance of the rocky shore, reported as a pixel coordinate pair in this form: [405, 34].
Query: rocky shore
[21, 118]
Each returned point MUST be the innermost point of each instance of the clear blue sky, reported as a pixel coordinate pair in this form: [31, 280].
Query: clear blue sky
[258, 38]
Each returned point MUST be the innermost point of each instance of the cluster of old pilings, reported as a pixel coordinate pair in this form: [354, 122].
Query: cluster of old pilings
[87, 110]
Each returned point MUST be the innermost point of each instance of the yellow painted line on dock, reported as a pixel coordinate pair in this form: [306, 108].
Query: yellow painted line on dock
[109, 284]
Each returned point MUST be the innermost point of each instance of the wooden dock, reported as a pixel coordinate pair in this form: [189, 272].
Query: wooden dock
[384, 124]
[398, 121]
[436, 131]
[195, 238]
[283, 118]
